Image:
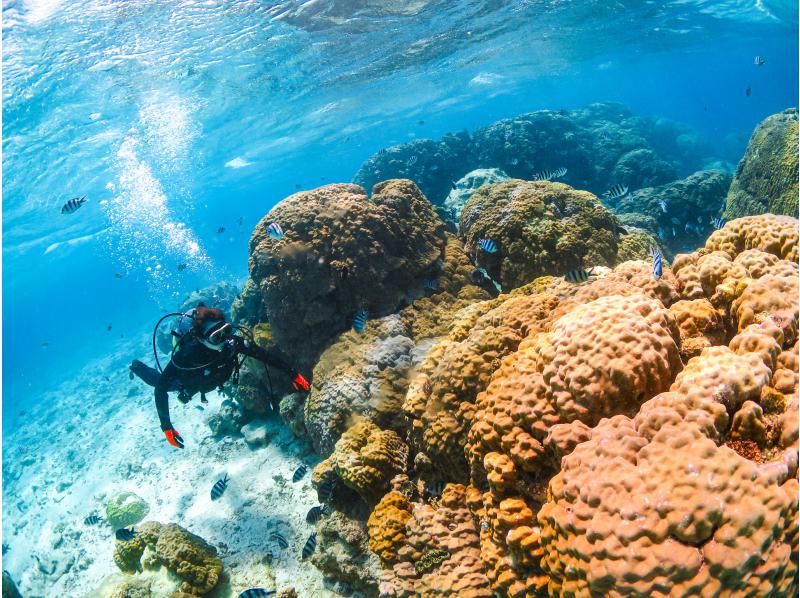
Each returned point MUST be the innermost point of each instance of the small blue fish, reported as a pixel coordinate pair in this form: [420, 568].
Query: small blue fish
[256, 593]
[616, 192]
[657, 266]
[300, 472]
[92, 520]
[310, 547]
[219, 488]
[718, 222]
[431, 284]
[360, 320]
[73, 204]
[125, 534]
[279, 539]
[675, 221]
[664, 205]
[759, 61]
[275, 231]
[487, 245]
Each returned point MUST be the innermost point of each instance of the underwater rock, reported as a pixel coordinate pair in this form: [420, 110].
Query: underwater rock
[220, 295]
[186, 555]
[766, 178]
[247, 309]
[343, 553]
[341, 252]
[642, 168]
[228, 420]
[432, 165]
[9, 587]
[467, 185]
[540, 228]
[292, 407]
[256, 433]
[125, 508]
[684, 207]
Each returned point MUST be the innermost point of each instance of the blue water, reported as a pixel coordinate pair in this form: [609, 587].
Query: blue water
[178, 118]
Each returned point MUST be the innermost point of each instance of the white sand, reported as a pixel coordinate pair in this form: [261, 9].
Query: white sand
[89, 440]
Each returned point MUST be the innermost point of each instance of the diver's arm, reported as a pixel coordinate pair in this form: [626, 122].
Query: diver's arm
[273, 358]
[162, 405]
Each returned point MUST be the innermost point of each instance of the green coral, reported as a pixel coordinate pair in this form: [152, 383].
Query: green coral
[430, 560]
[540, 228]
[766, 178]
[636, 246]
[126, 508]
[262, 334]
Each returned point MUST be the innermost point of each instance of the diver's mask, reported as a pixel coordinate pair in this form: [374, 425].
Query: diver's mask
[215, 335]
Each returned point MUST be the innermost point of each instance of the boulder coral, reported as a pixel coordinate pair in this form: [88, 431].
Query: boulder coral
[766, 178]
[341, 251]
[540, 228]
[468, 184]
[186, 555]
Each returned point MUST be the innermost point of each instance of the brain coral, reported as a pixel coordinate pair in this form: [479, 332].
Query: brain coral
[540, 228]
[766, 179]
[125, 508]
[769, 233]
[341, 251]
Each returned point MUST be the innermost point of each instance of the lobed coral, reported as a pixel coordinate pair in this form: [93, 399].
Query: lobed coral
[125, 508]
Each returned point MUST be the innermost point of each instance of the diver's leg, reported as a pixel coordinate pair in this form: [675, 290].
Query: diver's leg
[147, 374]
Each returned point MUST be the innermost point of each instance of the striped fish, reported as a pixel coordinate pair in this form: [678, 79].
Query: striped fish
[360, 320]
[256, 593]
[326, 489]
[759, 61]
[275, 231]
[549, 175]
[412, 160]
[718, 222]
[487, 245]
[616, 192]
[657, 266]
[435, 488]
[579, 275]
[310, 547]
[93, 520]
[125, 534]
[219, 488]
[279, 539]
[73, 204]
[300, 472]
[315, 513]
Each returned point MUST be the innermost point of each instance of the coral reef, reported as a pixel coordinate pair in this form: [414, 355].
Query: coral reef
[341, 252]
[186, 555]
[468, 184]
[540, 228]
[291, 410]
[766, 178]
[125, 508]
[679, 213]
[343, 553]
[228, 420]
[366, 458]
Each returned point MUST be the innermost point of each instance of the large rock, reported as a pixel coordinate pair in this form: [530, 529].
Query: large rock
[766, 179]
[341, 252]
[256, 433]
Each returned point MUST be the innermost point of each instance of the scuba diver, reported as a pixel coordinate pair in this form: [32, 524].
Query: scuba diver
[205, 354]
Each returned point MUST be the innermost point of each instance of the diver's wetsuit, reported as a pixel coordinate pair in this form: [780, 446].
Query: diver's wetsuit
[196, 368]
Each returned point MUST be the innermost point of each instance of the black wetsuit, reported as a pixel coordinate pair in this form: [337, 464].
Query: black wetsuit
[196, 368]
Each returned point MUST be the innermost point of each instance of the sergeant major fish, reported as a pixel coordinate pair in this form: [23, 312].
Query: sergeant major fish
[310, 546]
[275, 231]
[219, 488]
[125, 534]
[360, 320]
[72, 205]
[657, 266]
[256, 593]
[488, 245]
[300, 472]
[616, 192]
[578, 276]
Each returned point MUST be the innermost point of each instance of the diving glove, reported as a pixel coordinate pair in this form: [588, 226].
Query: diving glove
[300, 383]
[174, 438]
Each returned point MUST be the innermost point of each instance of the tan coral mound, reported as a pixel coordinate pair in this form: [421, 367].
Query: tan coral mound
[441, 553]
[667, 513]
[366, 459]
[387, 526]
[701, 325]
[602, 358]
[772, 296]
[190, 557]
[767, 232]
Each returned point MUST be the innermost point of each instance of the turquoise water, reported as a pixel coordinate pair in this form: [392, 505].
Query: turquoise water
[177, 119]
